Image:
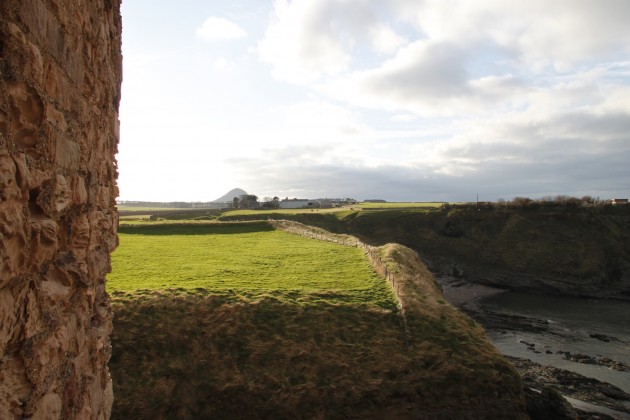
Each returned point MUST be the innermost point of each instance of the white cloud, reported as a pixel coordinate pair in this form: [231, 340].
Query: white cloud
[311, 39]
[489, 56]
[219, 29]
[385, 40]
[424, 77]
[300, 43]
[558, 34]
[572, 153]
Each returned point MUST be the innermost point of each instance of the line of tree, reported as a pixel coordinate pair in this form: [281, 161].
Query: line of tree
[547, 201]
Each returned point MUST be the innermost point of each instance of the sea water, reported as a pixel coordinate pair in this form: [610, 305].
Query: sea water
[572, 322]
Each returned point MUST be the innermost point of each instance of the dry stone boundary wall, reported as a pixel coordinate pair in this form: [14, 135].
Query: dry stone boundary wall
[373, 254]
[60, 77]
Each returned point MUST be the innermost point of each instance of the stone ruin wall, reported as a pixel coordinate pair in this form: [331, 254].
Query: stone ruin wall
[60, 76]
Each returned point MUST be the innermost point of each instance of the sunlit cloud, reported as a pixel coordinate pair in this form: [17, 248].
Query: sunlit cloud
[219, 29]
[300, 44]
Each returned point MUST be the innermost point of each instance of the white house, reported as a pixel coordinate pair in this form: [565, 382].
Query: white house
[298, 203]
[324, 203]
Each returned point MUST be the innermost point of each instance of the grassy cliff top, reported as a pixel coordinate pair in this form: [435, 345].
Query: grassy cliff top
[251, 258]
[577, 251]
[233, 353]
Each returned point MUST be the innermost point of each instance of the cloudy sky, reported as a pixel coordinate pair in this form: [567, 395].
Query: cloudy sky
[405, 100]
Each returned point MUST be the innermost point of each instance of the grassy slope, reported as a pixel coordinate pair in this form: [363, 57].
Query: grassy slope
[193, 354]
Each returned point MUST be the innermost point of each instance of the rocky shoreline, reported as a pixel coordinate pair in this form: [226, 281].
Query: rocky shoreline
[538, 377]
[501, 322]
[544, 384]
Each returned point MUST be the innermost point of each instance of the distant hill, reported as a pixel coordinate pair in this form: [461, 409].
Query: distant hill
[236, 192]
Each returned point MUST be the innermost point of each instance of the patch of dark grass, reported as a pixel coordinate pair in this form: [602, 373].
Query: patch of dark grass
[195, 228]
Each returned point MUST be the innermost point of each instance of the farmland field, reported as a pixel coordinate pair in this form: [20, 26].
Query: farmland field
[401, 205]
[250, 258]
[147, 209]
[263, 213]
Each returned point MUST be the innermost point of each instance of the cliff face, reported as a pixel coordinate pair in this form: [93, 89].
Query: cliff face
[578, 252]
[60, 76]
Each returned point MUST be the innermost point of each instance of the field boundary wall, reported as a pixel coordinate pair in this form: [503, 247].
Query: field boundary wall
[373, 254]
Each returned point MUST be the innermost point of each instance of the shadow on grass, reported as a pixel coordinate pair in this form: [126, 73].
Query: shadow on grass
[195, 229]
[203, 355]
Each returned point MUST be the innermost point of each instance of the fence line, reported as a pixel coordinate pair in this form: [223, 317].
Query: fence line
[373, 254]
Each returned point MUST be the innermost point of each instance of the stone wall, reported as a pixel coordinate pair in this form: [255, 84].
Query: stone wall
[60, 76]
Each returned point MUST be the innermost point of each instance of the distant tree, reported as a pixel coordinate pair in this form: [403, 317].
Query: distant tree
[235, 202]
[271, 203]
[566, 201]
[521, 201]
[248, 201]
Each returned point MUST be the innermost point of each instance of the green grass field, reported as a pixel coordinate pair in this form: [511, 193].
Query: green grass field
[147, 209]
[237, 320]
[249, 258]
[358, 206]
[264, 213]
[130, 215]
[401, 205]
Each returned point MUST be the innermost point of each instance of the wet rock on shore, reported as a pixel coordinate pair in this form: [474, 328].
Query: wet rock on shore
[571, 384]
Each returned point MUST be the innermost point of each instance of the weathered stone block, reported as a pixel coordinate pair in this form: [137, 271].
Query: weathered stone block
[68, 154]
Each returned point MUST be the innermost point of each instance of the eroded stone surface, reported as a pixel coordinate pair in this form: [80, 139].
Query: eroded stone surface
[60, 75]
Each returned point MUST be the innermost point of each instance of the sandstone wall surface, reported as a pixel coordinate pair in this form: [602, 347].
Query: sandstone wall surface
[60, 76]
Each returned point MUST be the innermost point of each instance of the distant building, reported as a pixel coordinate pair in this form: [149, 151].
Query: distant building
[340, 202]
[324, 204]
[619, 201]
[297, 203]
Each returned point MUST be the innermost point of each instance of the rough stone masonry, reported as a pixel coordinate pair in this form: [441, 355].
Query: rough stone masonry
[60, 77]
